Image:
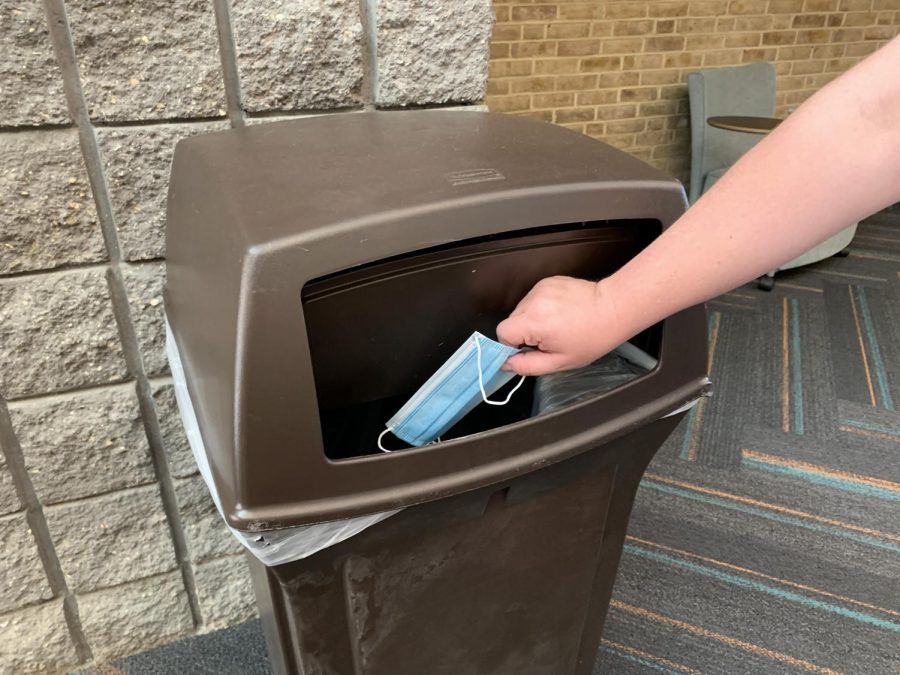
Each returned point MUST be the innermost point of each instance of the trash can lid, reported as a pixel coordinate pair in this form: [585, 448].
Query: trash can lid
[286, 178]
[255, 213]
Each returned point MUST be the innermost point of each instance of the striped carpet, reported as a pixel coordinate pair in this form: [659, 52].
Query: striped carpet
[766, 534]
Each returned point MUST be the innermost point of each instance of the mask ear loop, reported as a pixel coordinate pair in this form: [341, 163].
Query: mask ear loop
[384, 449]
[380, 436]
[481, 380]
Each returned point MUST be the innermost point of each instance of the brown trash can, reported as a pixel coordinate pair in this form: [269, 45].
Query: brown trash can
[318, 271]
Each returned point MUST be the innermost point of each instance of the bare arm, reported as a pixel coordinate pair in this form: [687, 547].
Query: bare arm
[833, 161]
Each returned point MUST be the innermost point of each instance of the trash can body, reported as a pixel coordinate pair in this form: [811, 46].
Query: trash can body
[318, 271]
[510, 579]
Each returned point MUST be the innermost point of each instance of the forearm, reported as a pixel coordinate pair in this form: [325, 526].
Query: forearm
[834, 161]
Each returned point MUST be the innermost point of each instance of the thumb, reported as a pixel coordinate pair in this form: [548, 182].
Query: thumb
[534, 362]
[513, 331]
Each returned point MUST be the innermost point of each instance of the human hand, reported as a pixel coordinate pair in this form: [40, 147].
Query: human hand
[570, 322]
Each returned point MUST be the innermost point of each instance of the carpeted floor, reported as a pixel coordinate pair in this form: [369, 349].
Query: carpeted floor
[766, 534]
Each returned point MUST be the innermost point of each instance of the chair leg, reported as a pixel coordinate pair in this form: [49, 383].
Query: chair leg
[767, 282]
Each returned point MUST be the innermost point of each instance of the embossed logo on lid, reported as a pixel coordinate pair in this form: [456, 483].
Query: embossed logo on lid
[473, 176]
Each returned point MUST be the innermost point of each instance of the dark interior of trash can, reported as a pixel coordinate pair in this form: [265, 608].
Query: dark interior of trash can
[378, 331]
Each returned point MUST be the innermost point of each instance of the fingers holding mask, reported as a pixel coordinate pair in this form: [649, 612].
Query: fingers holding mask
[560, 319]
[535, 362]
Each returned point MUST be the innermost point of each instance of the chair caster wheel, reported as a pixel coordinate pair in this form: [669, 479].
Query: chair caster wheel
[766, 283]
[843, 253]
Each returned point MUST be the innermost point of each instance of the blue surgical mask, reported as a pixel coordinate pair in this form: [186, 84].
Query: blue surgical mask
[466, 379]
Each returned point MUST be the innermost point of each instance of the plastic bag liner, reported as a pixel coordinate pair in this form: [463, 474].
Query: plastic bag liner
[559, 390]
[272, 547]
[622, 365]
[275, 547]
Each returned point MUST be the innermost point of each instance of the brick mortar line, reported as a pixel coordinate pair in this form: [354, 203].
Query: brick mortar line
[63, 45]
[115, 124]
[162, 122]
[430, 106]
[73, 268]
[66, 394]
[37, 521]
[303, 112]
[228, 56]
[25, 128]
[104, 125]
[11, 515]
[61, 38]
[131, 489]
[369, 85]
[56, 23]
[158, 575]
[70, 390]
[372, 28]
[128, 338]
[91, 662]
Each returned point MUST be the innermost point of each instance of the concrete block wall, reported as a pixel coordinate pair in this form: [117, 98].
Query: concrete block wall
[617, 69]
[110, 542]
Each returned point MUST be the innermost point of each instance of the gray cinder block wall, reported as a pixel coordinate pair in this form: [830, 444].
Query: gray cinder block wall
[110, 543]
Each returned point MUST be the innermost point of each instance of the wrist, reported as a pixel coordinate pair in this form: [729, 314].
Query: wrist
[614, 319]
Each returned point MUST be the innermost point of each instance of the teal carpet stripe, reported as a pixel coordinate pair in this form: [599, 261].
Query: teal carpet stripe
[871, 426]
[754, 585]
[688, 433]
[881, 254]
[796, 369]
[692, 415]
[874, 350]
[829, 481]
[777, 517]
[643, 662]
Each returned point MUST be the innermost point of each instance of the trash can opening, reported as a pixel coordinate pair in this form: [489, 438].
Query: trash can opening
[378, 331]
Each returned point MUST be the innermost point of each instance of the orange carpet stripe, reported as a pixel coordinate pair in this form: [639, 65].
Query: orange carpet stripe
[862, 347]
[649, 657]
[713, 341]
[746, 296]
[724, 639]
[822, 471]
[761, 575]
[847, 275]
[870, 434]
[731, 304]
[872, 256]
[798, 287]
[701, 407]
[872, 237]
[697, 422]
[695, 430]
[773, 507]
